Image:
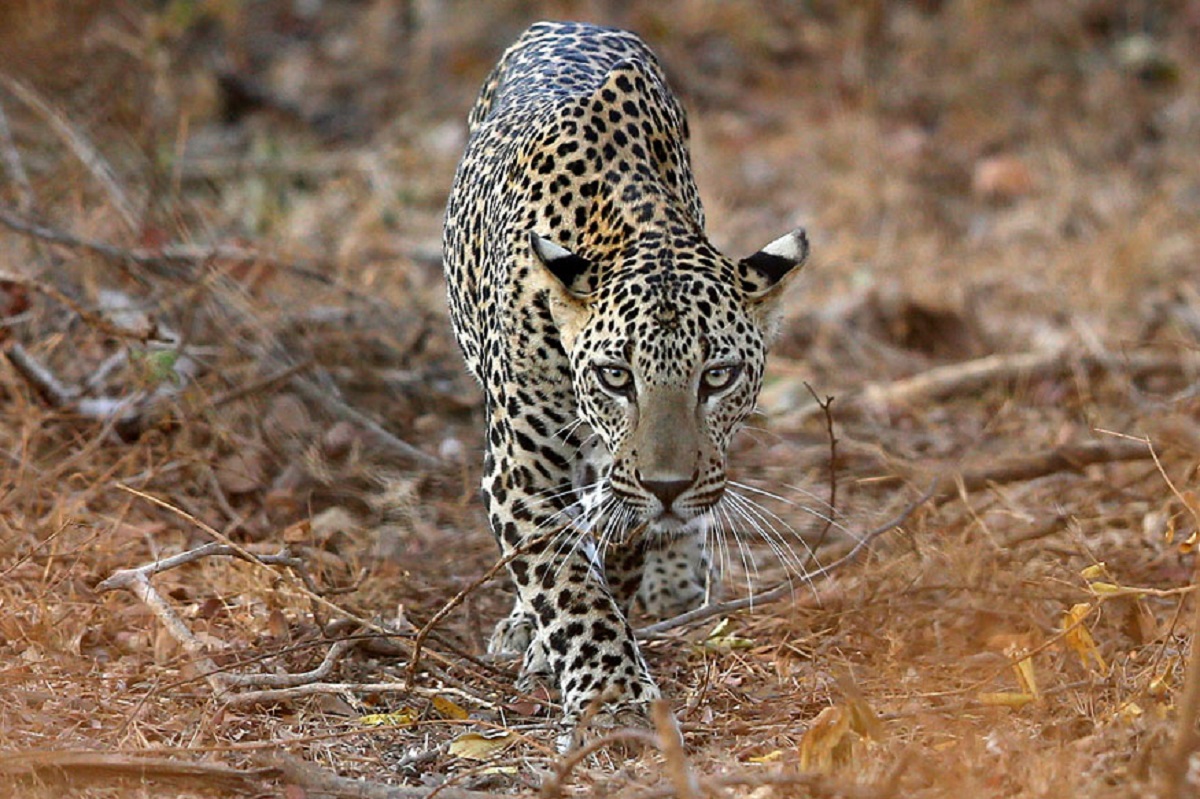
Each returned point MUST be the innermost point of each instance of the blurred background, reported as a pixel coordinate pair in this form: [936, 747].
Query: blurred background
[220, 284]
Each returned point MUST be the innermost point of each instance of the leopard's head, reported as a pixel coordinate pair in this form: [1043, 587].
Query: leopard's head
[667, 343]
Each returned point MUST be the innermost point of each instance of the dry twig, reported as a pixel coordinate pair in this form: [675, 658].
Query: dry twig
[137, 582]
[166, 255]
[826, 406]
[340, 410]
[91, 318]
[458, 598]
[271, 696]
[552, 788]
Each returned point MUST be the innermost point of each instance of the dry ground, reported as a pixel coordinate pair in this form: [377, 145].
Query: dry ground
[225, 215]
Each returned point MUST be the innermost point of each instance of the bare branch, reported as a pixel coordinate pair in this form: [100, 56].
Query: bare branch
[93, 319]
[103, 768]
[457, 599]
[552, 788]
[826, 406]
[137, 582]
[1063, 458]
[46, 383]
[273, 695]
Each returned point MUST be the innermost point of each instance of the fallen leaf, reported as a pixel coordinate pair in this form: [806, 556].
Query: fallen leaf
[1189, 544]
[1129, 712]
[165, 646]
[1023, 667]
[1080, 640]
[448, 710]
[399, 718]
[277, 624]
[335, 705]
[498, 770]
[769, 757]
[480, 745]
[721, 640]
[829, 742]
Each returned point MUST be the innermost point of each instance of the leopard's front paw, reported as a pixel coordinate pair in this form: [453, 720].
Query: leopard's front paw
[515, 635]
[618, 706]
[512, 634]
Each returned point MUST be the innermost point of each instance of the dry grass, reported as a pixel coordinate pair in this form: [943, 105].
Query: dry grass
[978, 179]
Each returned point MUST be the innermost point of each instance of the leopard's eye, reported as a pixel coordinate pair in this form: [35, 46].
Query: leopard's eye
[615, 379]
[719, 378]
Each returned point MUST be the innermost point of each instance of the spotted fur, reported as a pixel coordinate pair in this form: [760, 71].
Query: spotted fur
[618, 350]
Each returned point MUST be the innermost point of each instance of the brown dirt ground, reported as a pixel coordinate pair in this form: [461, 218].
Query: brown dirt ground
[1015, 181]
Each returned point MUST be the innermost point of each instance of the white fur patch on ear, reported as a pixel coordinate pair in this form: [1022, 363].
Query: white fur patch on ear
[792, 246]
[766, 269]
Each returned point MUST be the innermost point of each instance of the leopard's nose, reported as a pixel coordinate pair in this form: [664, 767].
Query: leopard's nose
[667, 491]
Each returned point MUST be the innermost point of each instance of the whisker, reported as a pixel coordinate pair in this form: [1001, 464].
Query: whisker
[764, 521]
[828, 519]
[770, 495]
[748, 564]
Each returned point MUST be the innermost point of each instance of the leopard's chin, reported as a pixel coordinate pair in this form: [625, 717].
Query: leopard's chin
[670, 524]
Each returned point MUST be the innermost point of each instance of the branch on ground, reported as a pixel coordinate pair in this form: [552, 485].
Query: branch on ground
[970, 377]
[103, 768]
[1063, 458]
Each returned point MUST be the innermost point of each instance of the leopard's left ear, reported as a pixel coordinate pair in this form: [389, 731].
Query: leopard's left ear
[765, 273]
[559, 272]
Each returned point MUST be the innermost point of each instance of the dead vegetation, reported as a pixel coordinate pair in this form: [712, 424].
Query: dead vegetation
[238, 449]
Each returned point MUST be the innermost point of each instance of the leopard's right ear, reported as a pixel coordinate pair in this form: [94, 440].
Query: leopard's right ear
[560, 273]
[562, 263]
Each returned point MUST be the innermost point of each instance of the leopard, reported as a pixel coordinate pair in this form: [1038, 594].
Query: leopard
[617, 349]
